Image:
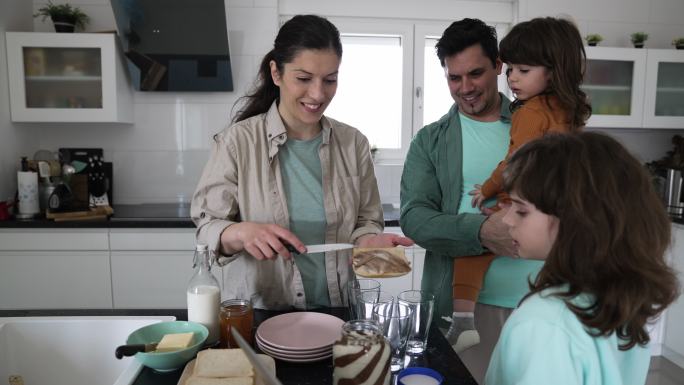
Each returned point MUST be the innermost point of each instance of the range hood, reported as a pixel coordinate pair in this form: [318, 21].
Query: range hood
[175, 45]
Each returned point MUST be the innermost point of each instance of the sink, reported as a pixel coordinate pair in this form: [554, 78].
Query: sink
[68, 350]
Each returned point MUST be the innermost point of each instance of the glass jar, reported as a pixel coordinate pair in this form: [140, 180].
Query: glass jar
[362, 355]
[238, 314]
[204, 294]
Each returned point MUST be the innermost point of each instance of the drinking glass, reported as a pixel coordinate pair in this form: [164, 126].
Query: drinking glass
[365, 301]
[395, 320]
[422, 306]
[357, 286]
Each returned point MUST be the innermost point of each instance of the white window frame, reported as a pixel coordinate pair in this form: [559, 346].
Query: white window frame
[405, 32]
[423, 31]
[412, 34]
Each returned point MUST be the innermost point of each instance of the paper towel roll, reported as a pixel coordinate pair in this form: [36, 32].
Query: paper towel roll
[27, 182]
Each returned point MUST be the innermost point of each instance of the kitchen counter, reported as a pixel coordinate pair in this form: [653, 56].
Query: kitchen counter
[439, 355]
[152, 215]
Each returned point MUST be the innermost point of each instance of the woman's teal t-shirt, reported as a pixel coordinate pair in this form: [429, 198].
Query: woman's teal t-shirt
[300, 166]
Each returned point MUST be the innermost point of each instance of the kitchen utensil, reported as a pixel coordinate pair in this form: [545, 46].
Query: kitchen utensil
[265, 374]
[419, 375]
[357, 286]
[300, 331]
[130, 350]
[167, 361]
[674, 192]
[422, 305]
[322, 248]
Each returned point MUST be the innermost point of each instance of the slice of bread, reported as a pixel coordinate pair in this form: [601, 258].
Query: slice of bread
[380, 262]
[219, 381]
[222, 363]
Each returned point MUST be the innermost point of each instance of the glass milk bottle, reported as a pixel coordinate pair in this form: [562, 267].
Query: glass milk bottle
[362, 355]
[204, 294]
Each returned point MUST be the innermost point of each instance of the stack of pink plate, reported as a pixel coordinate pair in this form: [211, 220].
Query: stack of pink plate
[299, 337]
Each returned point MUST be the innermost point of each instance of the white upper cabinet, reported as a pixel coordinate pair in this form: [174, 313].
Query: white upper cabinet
[67, 77]
[664, 104]
[614, 81]
[631, 87]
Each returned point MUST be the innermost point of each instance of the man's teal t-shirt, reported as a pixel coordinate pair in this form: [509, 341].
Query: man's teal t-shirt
[300, 166]
[485, 144]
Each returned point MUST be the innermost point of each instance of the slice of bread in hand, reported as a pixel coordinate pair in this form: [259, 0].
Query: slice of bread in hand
[380, 262]
[222, 363]
[219, 381]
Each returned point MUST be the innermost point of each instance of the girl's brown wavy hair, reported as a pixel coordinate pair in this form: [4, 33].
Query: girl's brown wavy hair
[613, 231]
[557, 45]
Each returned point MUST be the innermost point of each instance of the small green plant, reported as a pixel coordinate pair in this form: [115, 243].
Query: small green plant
[639, 38]
[64, 13]
[373, 151]
[593, 38]
[678, 42]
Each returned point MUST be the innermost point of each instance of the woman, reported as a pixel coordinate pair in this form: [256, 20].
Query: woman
[285, 174]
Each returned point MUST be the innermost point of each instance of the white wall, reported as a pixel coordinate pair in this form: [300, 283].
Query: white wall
[160, 156]
[615, 20]
[14, 15]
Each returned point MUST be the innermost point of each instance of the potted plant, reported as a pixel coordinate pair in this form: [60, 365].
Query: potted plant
[593, 39]
[64, 16]
[678, 42]
[373, 150]
[638, 39]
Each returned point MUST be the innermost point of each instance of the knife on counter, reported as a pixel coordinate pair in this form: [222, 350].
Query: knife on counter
[267, 377]
[322, 248]
[130, 350]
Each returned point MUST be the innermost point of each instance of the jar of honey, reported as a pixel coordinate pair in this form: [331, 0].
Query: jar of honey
[238, 314]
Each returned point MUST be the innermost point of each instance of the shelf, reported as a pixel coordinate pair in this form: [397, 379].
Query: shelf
[77, 78]
[670, 89]
[67, 77]
[592, 87]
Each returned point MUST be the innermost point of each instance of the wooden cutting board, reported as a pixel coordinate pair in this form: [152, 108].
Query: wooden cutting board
[100, 212]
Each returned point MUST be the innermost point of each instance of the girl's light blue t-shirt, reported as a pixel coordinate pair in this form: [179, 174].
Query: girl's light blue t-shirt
[485, 144]
[300, 166]
[543, 342]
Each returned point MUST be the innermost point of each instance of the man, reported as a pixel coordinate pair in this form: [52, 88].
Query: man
[445, 161]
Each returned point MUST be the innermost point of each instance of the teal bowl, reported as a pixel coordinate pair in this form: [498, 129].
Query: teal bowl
[167, 361]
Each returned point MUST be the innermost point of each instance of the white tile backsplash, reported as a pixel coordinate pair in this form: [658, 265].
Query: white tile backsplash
[252, 30]
[156, 176]
[159, 158]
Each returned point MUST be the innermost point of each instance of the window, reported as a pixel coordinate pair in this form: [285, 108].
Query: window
[375, 84]
[391, 83]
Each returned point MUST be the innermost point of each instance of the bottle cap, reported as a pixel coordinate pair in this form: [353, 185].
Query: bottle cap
[201, 247]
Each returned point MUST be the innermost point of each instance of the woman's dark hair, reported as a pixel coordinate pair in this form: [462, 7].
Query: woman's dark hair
[299, 33]
[465, 33]
[612, 236]
[557, 45]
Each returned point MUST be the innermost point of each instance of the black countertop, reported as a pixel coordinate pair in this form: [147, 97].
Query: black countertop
[439, 355]
[151, 215]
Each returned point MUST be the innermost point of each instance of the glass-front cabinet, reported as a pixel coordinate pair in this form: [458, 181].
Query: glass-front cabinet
[614, 81]
[664, 104]
[67, 77]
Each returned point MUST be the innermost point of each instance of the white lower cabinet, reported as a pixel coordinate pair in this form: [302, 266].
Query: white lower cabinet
[151, 267]
[55, 269]
[150, 279]
[673, 336]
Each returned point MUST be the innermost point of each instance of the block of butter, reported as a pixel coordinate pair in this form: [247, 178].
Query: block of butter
[175, 341]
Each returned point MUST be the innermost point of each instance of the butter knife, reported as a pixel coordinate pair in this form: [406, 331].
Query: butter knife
[322, 248]
[265, 374]
[130, 350]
